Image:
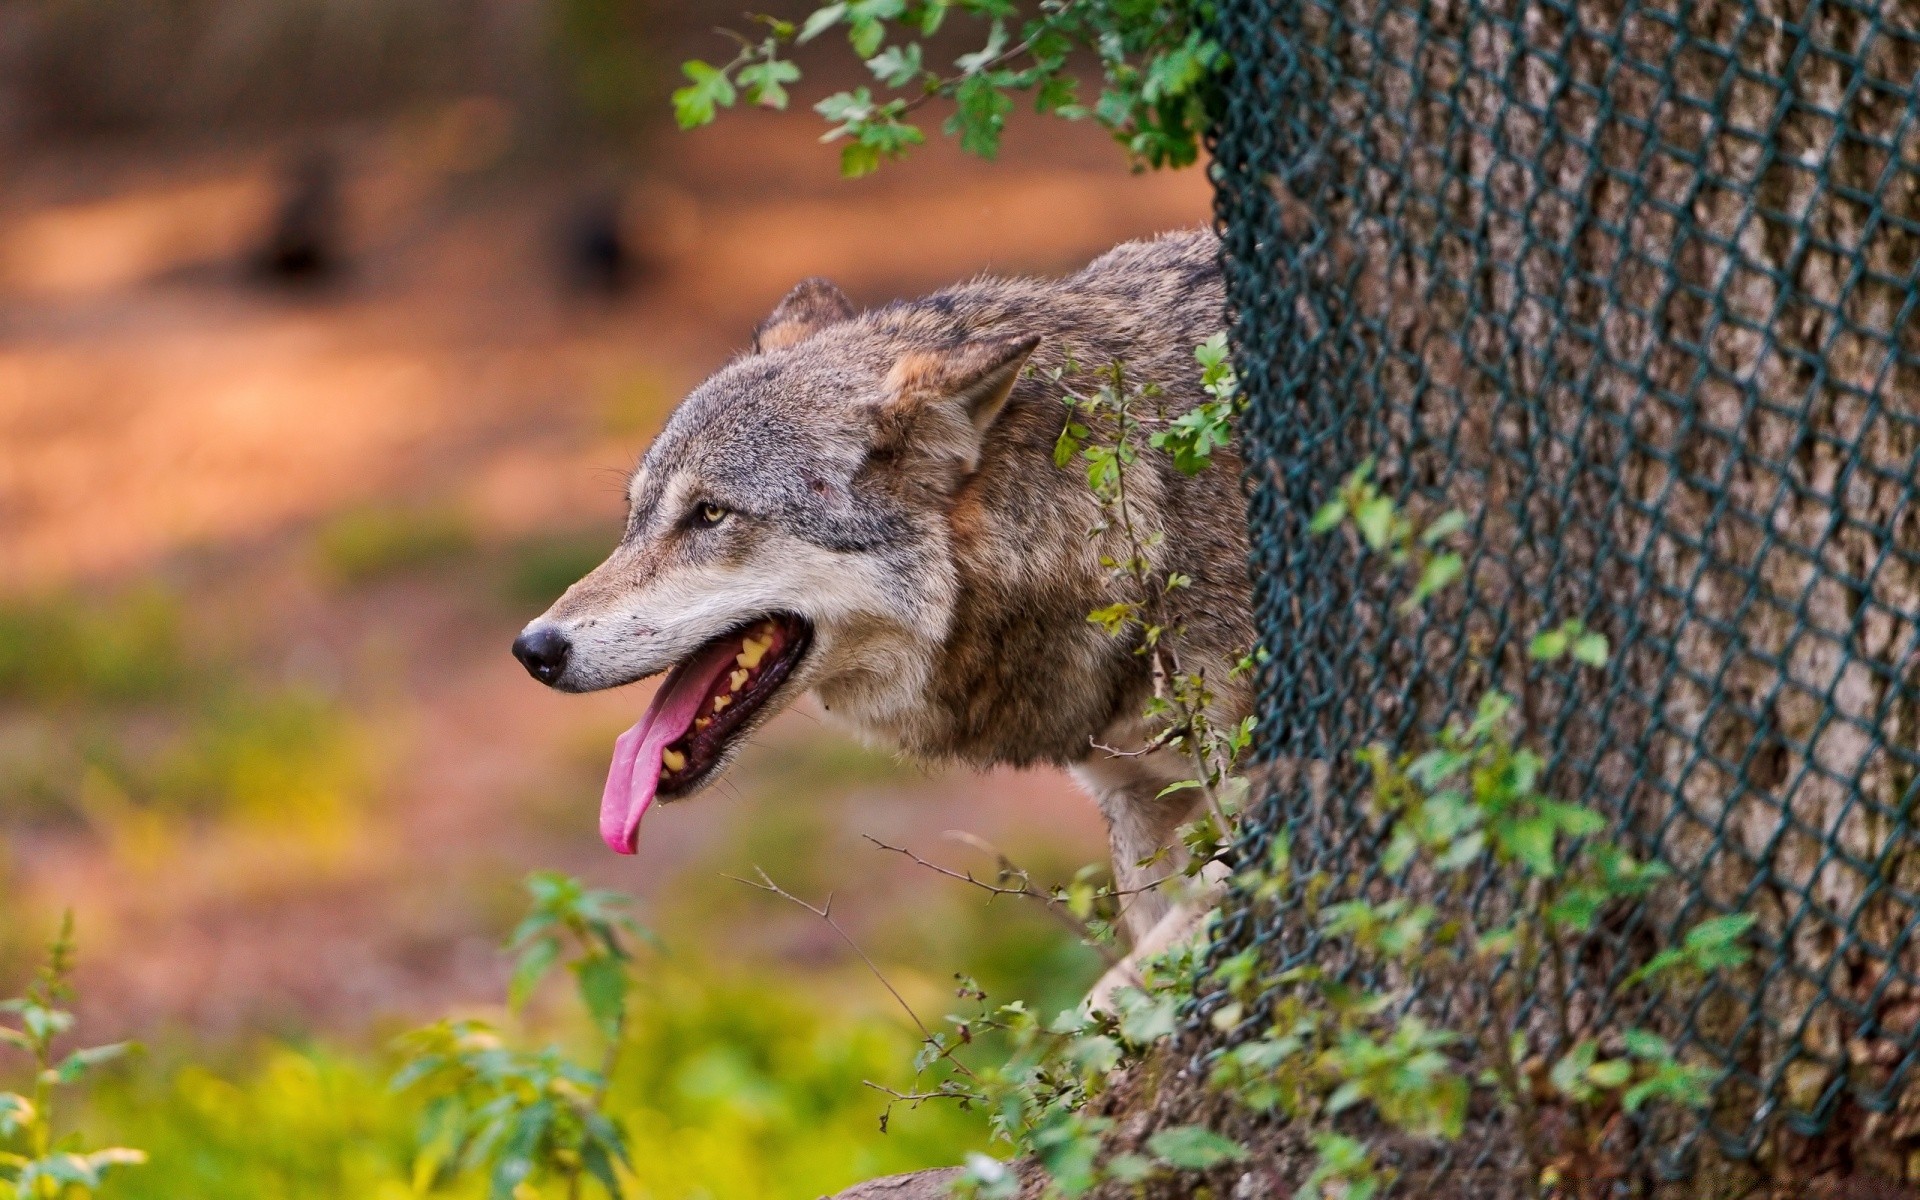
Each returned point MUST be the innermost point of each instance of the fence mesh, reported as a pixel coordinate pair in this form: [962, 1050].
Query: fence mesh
[1632, 284]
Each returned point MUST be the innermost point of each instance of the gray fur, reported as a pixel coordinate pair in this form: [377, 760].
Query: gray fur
[943, 558]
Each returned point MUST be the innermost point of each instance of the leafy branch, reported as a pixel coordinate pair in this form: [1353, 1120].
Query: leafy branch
[1156, 58]
[1107, 426]
[1465, 813]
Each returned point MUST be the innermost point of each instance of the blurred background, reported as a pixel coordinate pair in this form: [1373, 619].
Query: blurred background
[328, 329]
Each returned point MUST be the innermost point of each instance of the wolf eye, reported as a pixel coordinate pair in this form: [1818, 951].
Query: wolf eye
[706, 516]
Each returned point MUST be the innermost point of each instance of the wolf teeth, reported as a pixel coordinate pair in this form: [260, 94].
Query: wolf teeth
[673, 760]
[700, 723]
[720, 702]
[738, 679]
[752, 650]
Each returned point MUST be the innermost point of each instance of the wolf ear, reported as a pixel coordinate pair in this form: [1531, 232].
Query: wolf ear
[811, 306]
[928, 390]
[978, 375]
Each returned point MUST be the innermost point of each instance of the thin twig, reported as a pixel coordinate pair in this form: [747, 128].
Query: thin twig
[1054, 905]
[825, 913]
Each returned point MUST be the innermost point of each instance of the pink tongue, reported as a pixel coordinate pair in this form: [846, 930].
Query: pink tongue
[635, 775]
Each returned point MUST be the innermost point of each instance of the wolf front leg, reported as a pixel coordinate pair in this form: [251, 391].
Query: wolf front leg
[1141, 821]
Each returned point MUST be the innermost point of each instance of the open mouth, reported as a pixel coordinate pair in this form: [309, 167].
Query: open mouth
[704, 704]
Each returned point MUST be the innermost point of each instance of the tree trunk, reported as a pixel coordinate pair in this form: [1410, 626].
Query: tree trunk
[1633, 286]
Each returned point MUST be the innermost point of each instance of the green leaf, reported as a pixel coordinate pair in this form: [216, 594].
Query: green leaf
[709, 91]
[897, 66]
[980, 59]
[1375, 520]
[1114, 618]
[821, 20]
[866, 35]
[1440, 571]
[1129, 1168]
[1194, 1148]
[1610, 1073]
[1329, 516]
[1068, 443]
[980, 113]
[1444, 526]
[15, 1111]
[1569, 1074]
[535, 961]
[858, 159]
[764, 81]
[1549, 646]
[1574, 820]
[1146, 1019]
[80, 1062]
[1719, 932]
[1591, 649]
[599, 1164]
[1531, 842]
[603, 988]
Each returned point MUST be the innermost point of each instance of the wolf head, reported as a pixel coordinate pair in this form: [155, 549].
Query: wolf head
[787, 530]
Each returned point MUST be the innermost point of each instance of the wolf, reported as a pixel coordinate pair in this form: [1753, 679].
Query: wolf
[866, 507]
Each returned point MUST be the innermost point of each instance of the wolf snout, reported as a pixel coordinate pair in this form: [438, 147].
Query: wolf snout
[543, 650]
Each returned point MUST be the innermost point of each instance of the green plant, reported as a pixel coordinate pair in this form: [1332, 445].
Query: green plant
[1464, 817]
[1106, 426]
[1157, 62]
[737, 1078]
[1343, 1037]
[43, 1165]
[523, 1116]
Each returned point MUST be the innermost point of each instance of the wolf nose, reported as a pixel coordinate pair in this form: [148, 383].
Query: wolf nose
[543, 651]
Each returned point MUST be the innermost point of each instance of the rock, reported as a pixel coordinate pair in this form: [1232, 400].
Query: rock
[915, 1185]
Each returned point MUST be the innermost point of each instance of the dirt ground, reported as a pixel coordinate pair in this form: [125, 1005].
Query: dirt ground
[164, 417]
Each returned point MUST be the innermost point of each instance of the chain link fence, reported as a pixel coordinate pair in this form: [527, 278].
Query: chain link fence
[1632, 283]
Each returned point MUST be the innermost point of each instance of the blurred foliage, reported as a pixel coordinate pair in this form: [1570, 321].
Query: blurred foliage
[291, 756]
[104, 67]
[732, 1084]
[114, 703]
[606, 49]
[63, 649]
[299, 1122]
[368, 544]
[538, 570]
